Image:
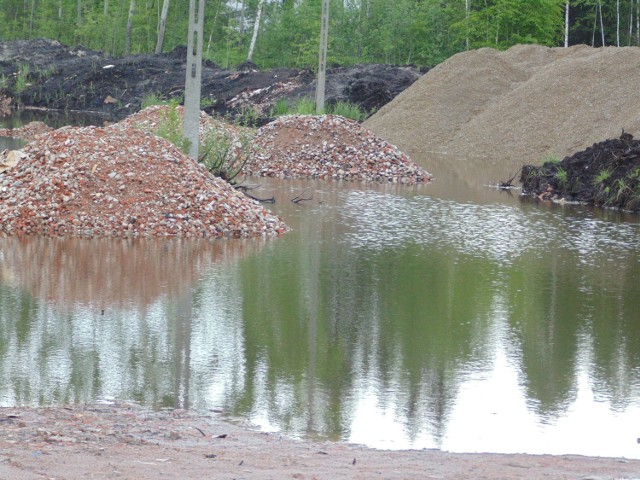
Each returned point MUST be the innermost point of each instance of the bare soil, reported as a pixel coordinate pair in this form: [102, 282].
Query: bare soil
[129, 442]
[76, 78]
[521, 105]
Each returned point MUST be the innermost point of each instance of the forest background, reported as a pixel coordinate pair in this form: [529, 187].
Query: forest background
[285, 33]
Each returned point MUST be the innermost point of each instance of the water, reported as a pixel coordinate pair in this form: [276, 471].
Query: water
[449, 316]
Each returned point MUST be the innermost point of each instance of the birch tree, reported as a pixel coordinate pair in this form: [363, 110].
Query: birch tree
[127, 39]
[256, 28]
[566, 24]
[162, 25]
[322, 57]
[193, 77]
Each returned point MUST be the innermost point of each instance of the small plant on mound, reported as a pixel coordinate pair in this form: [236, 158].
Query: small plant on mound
[151, 99]
[348, 110]
[171, 126]
[305, 106]
[561, 176]
[224, 154]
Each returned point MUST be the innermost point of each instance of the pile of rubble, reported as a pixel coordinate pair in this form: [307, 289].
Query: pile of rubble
[26, 132]
[328, 147]
[121, 182]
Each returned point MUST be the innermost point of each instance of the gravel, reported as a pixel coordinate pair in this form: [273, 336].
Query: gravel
[122, 182]
[328, 147]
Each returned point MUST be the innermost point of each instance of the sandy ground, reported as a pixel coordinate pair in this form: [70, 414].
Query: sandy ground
[128, 442]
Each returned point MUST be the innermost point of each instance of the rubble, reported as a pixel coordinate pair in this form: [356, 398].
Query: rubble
[26, 132]
[122, 182]
[328, 147]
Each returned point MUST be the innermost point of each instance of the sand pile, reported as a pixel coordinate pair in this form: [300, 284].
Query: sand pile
[526, 103]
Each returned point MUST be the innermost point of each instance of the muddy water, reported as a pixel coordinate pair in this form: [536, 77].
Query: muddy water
[448, 316]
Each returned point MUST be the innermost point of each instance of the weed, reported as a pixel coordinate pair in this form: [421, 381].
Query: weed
[602, 176]
[21, 78]
[171, 126]
[561, 176]
[248, 117]
[151, 99]
[348, 110]
[225, 153]
[280, 108]
[305, 106]
[207, 102]
[551, 159]
[4, 82]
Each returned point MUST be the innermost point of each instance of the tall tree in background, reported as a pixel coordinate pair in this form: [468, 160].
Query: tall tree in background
[162, 25]
[127, 40]
[322, 56]
[256, 28]
[193, 76]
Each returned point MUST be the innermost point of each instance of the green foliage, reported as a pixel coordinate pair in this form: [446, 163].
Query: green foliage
[150, 99]
[602, 176]
[22, 78]
[561, 176]
[551, 159]
[348, 110]
[171, 126]
[280, 108]
[226, 151]
[305, 106]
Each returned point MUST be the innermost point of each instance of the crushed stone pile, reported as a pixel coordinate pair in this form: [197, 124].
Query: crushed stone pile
[328, 147]
[26, 132]
[122, 182]
[151, 118]
[526, 103]
[605, 174]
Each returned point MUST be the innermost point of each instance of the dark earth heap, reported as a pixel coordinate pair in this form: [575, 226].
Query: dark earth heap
[606, 174]
[80, 79]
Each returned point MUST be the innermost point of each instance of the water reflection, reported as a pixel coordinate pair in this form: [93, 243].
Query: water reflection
[388, 317]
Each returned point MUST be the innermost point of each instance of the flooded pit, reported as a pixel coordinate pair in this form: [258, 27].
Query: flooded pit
[412, 317]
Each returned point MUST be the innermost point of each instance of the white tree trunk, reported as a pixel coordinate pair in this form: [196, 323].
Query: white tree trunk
[601, 23]
[127, 40]
[162, 26]
[617, 23]
[256, 27]
[322, 57]
[467, 13]
[566, 25]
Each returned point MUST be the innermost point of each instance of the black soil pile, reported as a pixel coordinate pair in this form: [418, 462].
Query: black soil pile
[60, 77]
[605, 174]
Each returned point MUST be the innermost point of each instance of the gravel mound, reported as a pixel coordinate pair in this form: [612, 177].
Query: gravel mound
[122, 182]
[328, 147]
[26, 132]
[526, 103]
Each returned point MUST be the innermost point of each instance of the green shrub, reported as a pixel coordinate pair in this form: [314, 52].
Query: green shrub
[348, 110]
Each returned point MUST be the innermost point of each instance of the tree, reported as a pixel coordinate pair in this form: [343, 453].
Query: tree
[162, 25]
[322, 57]
[256, 27]
[127, 41]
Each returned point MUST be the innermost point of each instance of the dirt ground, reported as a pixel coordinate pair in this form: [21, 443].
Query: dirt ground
[126, 441]
[75, 78]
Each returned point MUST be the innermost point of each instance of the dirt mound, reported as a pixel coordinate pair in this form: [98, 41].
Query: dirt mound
[67, 78]
[26, 132]
[605, 174]
[122, 182]
[526, 103]
[328, 147]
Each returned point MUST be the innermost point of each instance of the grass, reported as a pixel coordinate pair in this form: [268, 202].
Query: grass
[151, 99]
[561, 176]
[551, 159]
[307, 106]
[602, 176]
[21, 78]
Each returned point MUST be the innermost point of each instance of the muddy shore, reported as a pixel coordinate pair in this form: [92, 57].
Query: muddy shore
[128, 441]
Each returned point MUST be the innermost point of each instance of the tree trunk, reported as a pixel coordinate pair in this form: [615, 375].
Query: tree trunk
[162, 26]
[256, 27]
[106, 8]
[601, 23]
[566, 25]
[193, 79]
[467, 13]
[322, 57]
[79, 12]
[617, 23]
[127, 40]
